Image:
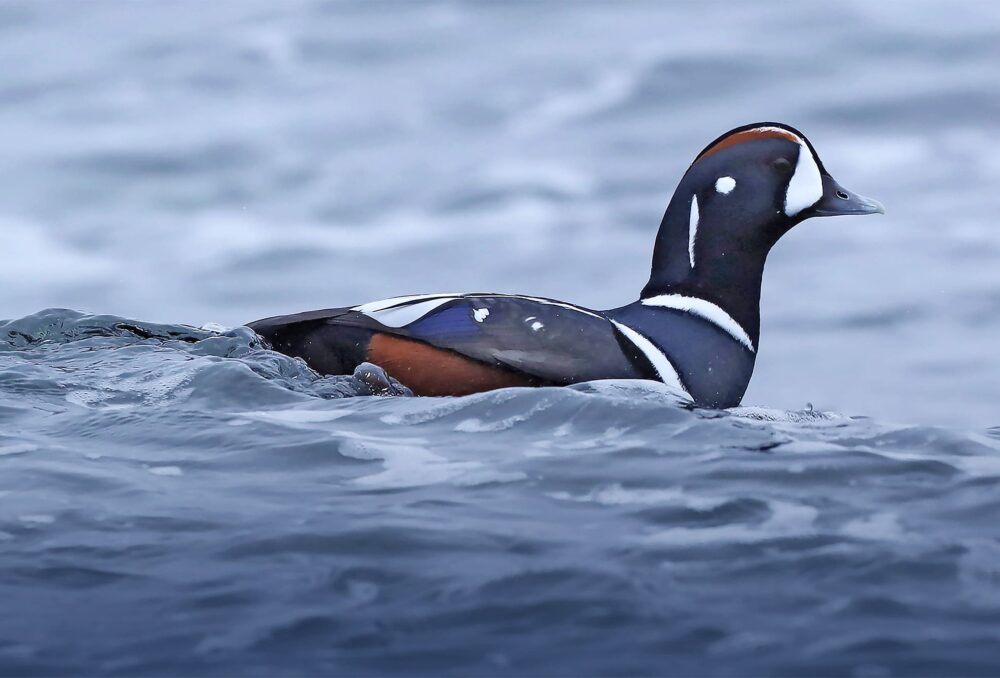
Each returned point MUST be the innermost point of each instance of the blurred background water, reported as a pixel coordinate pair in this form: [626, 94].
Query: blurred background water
[228, 162]
[219, 162]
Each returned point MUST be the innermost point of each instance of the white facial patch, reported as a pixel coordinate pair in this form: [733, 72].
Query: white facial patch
[480, 314]
[692, 228]
[805, 188]
[725, 185]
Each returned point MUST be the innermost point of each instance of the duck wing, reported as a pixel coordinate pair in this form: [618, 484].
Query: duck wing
[539, 340]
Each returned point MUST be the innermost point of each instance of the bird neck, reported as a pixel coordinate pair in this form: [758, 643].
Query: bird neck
[727, 271]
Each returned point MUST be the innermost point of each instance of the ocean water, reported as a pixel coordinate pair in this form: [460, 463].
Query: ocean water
[177, 499]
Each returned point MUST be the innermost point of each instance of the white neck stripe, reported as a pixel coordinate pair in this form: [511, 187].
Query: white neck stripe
[664, 369]
[706, 310]
[692, 228]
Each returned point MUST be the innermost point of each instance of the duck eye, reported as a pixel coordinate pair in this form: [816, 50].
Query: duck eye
[781, 164]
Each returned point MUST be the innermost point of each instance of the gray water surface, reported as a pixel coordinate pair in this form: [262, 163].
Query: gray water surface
[177, 501]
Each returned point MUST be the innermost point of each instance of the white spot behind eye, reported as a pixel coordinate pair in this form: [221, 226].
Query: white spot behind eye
[480, 314]
[725, 184]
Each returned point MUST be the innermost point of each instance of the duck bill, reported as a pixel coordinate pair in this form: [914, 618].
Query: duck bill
[837, 201]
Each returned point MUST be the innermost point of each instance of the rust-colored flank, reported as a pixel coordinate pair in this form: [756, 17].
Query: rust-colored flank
[430, 371]
[749, 135]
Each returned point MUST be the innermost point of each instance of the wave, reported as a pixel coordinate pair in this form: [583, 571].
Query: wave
[228, 506]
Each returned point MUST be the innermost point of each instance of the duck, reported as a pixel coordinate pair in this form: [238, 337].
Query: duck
[695, 326]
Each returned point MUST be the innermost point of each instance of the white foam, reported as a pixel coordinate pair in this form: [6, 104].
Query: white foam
[781, 416]
[617, 495]
[87, 398]
[17, 448]
[634, 390]
[409, 463]
[295, 416]
[486, 476]
[405, 461]
[476, 425]
[430, 409]
[786, 520]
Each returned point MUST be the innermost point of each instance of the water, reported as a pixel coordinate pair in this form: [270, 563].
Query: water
[180, 500]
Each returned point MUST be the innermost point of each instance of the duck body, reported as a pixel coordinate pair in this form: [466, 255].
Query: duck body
[695, 327]
[457, 344]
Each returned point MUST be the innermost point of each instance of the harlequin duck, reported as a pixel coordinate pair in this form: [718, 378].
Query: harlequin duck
[695, 326]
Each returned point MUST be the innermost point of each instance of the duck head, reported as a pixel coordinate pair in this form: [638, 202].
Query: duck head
[740, 195]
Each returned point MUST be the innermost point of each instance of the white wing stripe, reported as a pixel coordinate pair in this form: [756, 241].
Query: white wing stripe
[398, 316]
[373, 306]
[392, 309]
[706, 310]
[668, 375]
